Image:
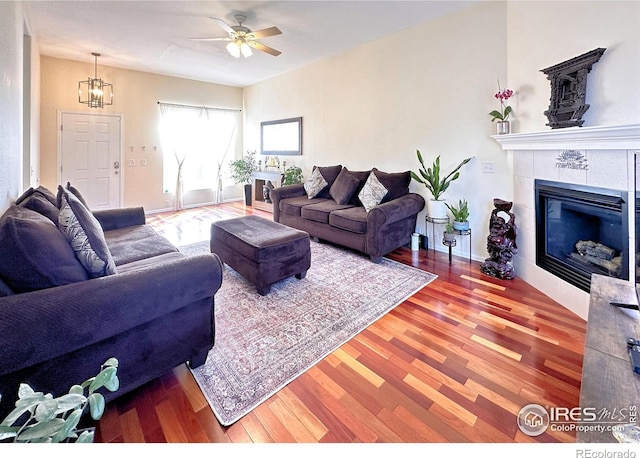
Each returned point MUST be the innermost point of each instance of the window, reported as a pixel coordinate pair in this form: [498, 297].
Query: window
[195, 143]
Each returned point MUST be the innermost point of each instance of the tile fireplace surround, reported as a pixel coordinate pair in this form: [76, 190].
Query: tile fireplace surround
[609, 153]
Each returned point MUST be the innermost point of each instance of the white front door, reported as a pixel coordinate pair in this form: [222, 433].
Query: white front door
[90, 157]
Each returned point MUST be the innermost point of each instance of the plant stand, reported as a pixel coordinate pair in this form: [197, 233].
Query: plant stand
[463, 233]
[450, 244]
[435, 222]
[439, 221]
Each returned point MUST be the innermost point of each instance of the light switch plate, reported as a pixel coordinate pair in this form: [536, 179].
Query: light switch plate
[489, 167]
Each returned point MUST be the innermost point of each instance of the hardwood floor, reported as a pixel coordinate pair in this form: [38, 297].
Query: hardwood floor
[453, 363]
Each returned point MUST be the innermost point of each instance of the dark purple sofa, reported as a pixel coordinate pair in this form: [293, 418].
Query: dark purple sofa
[337, 215]
[57, 325]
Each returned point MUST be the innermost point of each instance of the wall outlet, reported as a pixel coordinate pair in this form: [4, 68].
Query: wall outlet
[143, 162]
[489, 167]
[131, 162]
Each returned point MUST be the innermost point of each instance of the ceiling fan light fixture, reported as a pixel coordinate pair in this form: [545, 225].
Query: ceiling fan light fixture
[239, 47]
[95, 89]
[246, 50]
[233, 49]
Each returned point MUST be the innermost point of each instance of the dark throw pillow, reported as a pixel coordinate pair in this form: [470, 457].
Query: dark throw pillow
[5, 290]
[39, 203]
[343, 188]
[35, 255]
[84, 233]
[46, 193]
[396, 183]
[330, 174]
[77, 193]
[24, 195]
[362, 177]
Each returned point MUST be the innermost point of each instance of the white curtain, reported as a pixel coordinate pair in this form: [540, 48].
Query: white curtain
[195, 142]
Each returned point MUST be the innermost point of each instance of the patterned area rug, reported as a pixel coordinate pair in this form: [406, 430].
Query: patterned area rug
[263, 343]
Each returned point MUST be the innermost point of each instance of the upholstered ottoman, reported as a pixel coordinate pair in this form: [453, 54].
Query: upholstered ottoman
[262, 251]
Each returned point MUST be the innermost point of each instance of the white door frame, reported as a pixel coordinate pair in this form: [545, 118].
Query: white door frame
[59, 155]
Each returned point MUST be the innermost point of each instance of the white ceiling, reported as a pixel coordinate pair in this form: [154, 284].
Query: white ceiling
[153, 36]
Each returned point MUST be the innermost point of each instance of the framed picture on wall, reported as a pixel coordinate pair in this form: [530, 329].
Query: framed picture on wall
[281, 137]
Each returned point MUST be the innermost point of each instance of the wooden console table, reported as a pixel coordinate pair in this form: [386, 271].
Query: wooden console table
[260, 179]
[607, 379]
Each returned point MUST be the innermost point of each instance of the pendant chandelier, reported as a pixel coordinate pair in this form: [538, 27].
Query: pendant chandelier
[95, 89]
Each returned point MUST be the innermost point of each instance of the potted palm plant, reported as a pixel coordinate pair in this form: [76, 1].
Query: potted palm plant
[242, 173]
[460, 214]
[437, 184]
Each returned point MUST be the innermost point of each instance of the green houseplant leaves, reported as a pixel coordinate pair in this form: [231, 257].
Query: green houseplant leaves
[50, 419]
[293, 175]
[460, 212]
[431, 176]
[243, 168]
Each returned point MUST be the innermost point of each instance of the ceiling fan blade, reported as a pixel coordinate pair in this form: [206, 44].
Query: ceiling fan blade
[226, 27]
[269, 32]
[211, 39]
[263, 48]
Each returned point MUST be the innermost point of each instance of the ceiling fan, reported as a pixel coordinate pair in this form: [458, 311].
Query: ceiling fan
[241, 39]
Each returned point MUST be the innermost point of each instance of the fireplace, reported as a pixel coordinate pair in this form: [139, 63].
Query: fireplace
[608, 153]
[581, 230]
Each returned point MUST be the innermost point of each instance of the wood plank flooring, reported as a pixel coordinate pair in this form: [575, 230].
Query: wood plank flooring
[453, 363]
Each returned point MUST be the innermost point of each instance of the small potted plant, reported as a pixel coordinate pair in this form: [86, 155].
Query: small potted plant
[449, 234]
[292, 175]
[460, 214]
[242, 173]
[503, 125]
[437, 185]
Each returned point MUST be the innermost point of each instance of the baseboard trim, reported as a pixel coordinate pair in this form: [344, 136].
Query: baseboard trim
[200, 204]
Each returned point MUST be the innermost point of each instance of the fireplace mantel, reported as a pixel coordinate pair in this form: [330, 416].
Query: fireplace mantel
[610, 154]
[597, 137]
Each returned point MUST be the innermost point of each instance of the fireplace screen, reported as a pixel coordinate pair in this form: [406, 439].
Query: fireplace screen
[581, 230]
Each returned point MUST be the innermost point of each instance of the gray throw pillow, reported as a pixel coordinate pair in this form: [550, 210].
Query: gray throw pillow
[315, 184]
[343, 188]
[372, 193]
[84, 233]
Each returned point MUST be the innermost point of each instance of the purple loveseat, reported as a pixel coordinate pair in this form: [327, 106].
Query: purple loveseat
[336, 214]
[57, 324]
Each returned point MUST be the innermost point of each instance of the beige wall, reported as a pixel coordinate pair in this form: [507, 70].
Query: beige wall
[542, 34]
[135, 98]
[11, 30]
[430, 88]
